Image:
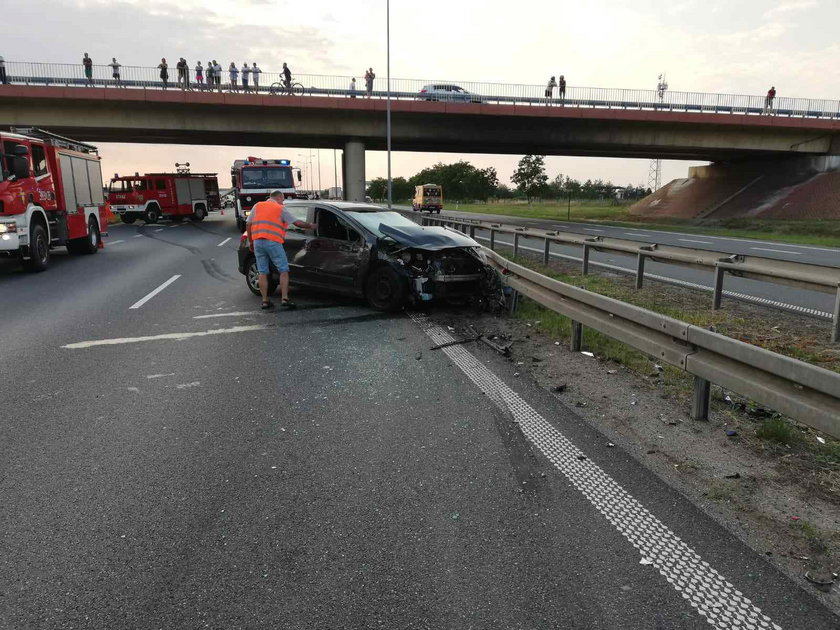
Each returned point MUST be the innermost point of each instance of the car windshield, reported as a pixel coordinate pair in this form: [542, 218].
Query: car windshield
[273, 177]
[372, 220]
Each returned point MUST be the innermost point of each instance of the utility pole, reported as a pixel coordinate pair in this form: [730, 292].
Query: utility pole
[655, 167]
[388, 105]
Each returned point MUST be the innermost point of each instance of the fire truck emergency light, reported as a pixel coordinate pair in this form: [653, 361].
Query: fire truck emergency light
[285, 162]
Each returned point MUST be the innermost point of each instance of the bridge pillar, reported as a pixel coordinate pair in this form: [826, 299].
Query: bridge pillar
[354, 171]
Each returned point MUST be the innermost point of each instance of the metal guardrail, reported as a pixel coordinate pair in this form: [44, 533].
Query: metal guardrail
[141, 77]
[807, 393]
[800, 275]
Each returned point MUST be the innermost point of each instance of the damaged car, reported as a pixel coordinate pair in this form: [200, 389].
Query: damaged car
[366, 251]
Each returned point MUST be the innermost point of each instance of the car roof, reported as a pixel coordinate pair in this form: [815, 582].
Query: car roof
[338, 205]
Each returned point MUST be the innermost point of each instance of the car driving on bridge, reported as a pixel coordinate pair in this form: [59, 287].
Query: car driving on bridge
[448, 92]
[364, 251]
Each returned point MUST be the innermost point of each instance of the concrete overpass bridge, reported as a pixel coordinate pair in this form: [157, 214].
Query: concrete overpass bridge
[329, 119]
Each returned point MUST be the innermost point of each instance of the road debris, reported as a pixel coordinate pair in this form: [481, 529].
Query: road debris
[731, 433]
[455, 343]
[821, 440]
[610, 445]
[587, 353]
[612, 371]
[822, 584]
[645, 561]
[733, 476]
[562, 387]
[580, 403]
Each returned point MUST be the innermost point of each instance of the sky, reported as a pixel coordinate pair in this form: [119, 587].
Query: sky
[721, 46]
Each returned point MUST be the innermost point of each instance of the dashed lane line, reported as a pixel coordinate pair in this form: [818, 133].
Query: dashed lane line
[714, 598]
[153, 293]
[164, 337]
[691, 240]
[159, 230]
[793, 308]
[114, 242]
[778, 251]
[137, 236]
[224, 241]
[233, 314]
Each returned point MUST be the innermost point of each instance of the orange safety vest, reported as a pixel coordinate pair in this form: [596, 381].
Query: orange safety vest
[267, 223]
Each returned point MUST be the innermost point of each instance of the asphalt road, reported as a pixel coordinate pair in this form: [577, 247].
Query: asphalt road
[789, 298]
[186, 460]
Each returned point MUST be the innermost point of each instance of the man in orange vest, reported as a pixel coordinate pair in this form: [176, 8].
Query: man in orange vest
[267, 225]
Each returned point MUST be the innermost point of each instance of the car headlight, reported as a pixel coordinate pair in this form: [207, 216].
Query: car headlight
[8, 227]
[247, 213]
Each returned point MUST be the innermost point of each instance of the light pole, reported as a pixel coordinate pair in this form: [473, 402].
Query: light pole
[388, 105]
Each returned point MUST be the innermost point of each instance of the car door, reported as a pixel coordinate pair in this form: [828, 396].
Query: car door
[334, 257]
[295, 243]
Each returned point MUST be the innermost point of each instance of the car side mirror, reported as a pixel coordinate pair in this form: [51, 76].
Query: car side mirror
[20, 167]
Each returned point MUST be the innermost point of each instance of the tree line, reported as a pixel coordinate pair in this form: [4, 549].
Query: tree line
[462, 181]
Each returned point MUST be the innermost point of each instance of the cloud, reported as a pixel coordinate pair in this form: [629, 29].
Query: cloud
[790, 7]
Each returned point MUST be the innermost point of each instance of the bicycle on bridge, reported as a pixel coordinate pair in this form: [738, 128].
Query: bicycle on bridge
[286, 88]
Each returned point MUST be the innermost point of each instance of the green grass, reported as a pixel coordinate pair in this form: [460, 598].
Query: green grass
[824, 233]
[778, 430]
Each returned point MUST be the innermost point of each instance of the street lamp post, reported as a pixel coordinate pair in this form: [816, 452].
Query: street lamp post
[388, 105]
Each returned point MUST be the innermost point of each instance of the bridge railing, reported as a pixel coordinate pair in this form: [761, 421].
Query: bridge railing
[140, 77]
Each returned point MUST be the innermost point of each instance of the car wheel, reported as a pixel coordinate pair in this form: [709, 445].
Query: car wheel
[90, 243]
[200, 213]
[385, 289]
[39, 249]
[128, 218]
[252, 278]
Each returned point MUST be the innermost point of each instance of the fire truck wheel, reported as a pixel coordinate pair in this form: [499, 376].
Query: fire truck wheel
[128, 218]
[90, 243]
[152, 214]
[39, 249]
[199, 214]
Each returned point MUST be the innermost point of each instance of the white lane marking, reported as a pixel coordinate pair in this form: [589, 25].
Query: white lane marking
[163, 337]
[114, 242]
[592, 230]
[137, 236]
[151, 376]
[702, 586]
[152, 294]
[159, 230]
[224, 241]
[691, 240]
[746, 241]
[795, 308]
[635, 234]
[778, 251]
[234, 314]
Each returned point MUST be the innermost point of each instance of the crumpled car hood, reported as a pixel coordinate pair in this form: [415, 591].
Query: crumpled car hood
[431, 238]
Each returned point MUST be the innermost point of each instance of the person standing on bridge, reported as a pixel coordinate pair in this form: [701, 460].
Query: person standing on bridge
[87, 62]
[199, 75]
[353, 87]
[183, 77]
[549, 90]
[266, 227]
[233, 71]
[246, 75]
[115, 71]
[3, 78]
[164, 72]
[255, 76]
[561, 88]
[768, 100]
[369, 77]
[217, 74]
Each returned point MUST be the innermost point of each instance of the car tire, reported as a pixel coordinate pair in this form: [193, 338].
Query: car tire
[252, 279]
[90, 243]
[200, 213]
[152, 214]
[39, 249]
[385, 289]
[129, 219]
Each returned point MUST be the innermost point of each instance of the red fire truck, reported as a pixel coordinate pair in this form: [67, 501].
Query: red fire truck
[254, 178]
[154, 195]
[50, 195]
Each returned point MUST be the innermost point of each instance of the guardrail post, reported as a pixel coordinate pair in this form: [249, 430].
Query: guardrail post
[720, 272]
[472, 232]
[516, 244]
[835, 326]
[492, 238]
[577, 337]
[513, 301]
[701, 400]
[546, 251]
[585, 269]
[640, 271]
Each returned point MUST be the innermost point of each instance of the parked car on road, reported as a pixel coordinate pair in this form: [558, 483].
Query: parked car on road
[364, 251]
[448, 92]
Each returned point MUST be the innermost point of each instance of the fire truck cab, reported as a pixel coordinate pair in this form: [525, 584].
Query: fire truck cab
[253, 179]
[50, 195]
[155, 195]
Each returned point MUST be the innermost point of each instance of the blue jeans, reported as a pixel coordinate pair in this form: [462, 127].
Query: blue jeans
[270, 251]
